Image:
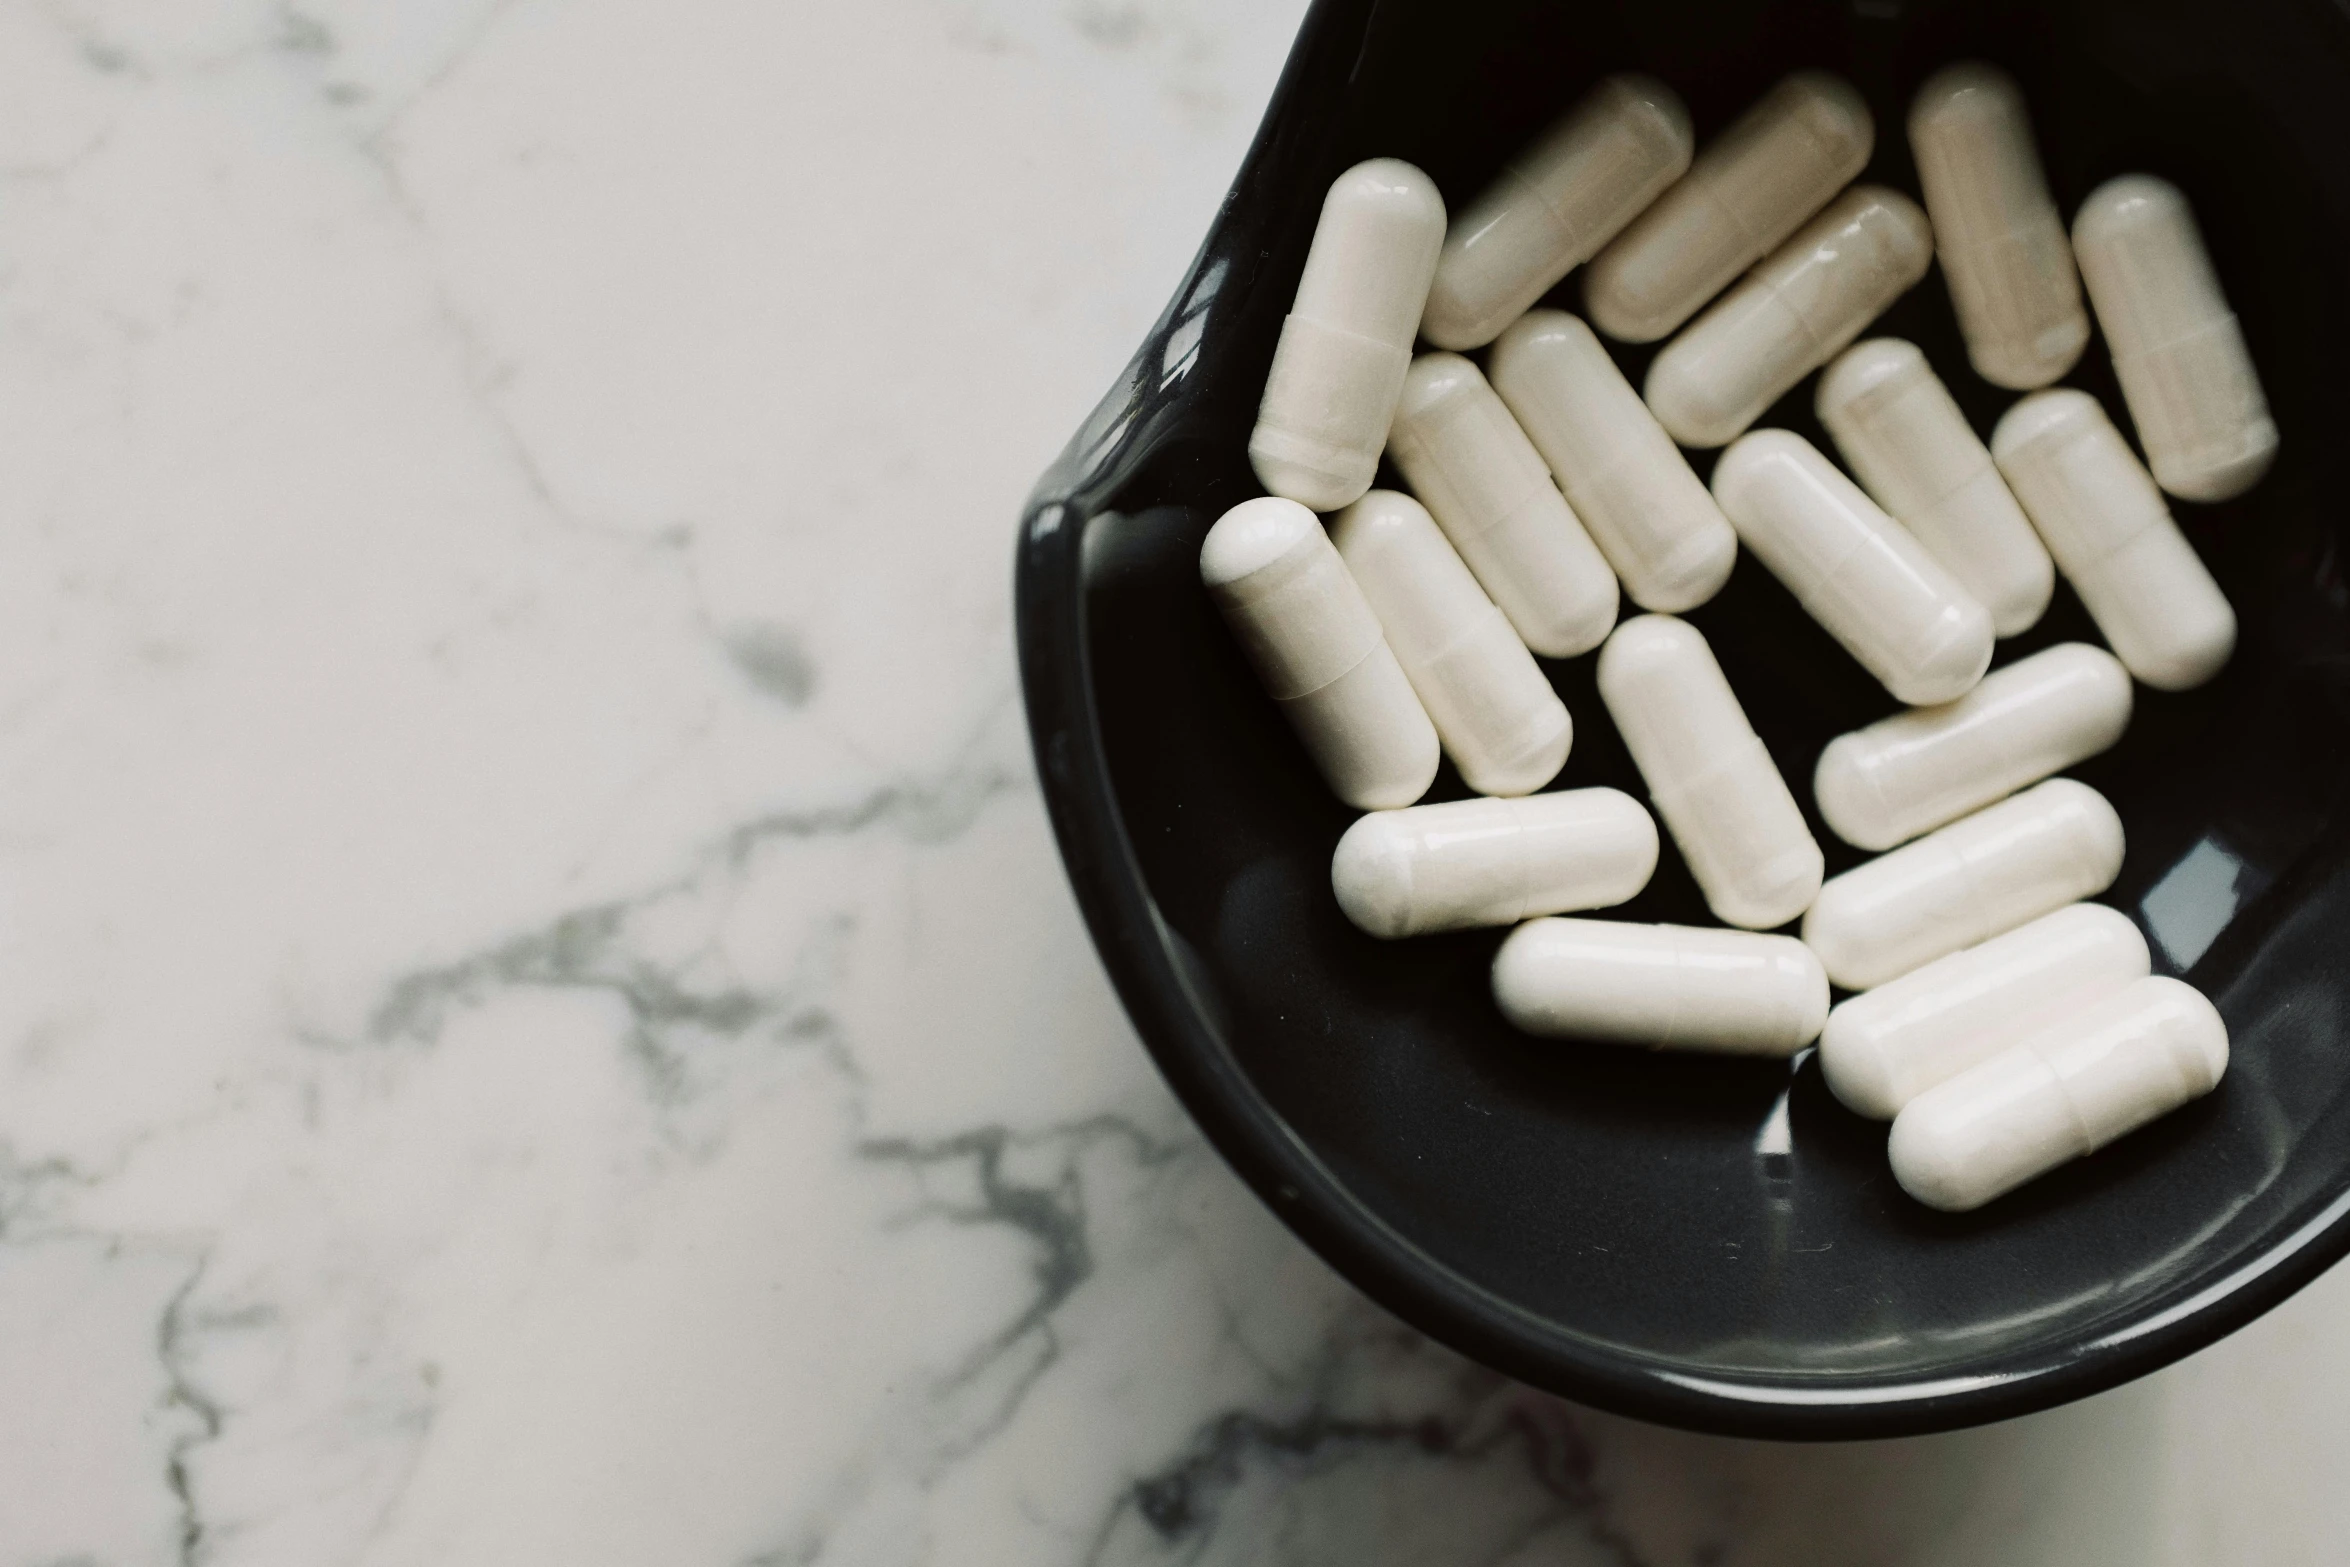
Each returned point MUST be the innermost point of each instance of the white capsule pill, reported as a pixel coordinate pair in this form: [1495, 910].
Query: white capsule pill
[1469, 863]
[1347, 342]
[1854, 570]
[1904, 438]
[2089, 1077]
[2177, 349]
[1790, 315]
[1473, 468]
[1501, 723]
[1979, 877]
[2097, 510]
[1884, 1047]
[1996, 229]
[1753, 185]
[1912, 772]
[1555, 205]
[1318, 649]
[1650, 515]
[1669, 987]
[1708, 773]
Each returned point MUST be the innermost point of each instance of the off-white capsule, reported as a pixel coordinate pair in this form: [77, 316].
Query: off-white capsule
[1792, 314]
[1708, 773]
[1501, 723]
[1753, 185]
[1996, 228]
[2097, 510]
[1473, 468]
[1912, 772]
[1977, 878]
[1669, 987]
[1650, 515]
[1469, 863]
[2177, 349]
[1854, 570]
[1317, 647]
[2087, 1078]
[1903, 436]
[1884, 1047]
[1348, 340]
[1554, 205]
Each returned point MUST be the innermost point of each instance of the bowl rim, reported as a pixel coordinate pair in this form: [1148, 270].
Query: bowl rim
[1147, 410]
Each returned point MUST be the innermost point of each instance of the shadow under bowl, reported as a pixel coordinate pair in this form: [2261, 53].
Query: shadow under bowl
[1710, 1243]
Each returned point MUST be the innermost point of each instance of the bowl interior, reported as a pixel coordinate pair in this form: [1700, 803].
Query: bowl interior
[1707, 1241]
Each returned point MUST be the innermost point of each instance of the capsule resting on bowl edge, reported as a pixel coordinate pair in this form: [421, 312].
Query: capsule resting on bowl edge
[1650, 515]
[2103, 520]
[1554, 205]
[1463, 454]
[2089, 1077]
[1347, 341]
[1753, 185]
[2000, 238]
[1920, 768]
[2178, 350]
[1903, 436]
[1982, 875]
[1789, 316]
[1708, 773]
[1855, 570]
[1471, 863]
[1498, 718]
[1884, 1047]
[1318, 649]
[1669, 987]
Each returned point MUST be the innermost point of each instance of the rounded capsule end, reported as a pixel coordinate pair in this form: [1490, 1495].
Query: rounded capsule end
[1811, 1013]
[1966, 90]
[1838, 938]
[1690, 403]
[1538, 335]
[2193, 1032]
[2127, 202]
[1954, 661]
[1325, 480]
[1536, 763]
[2096, 825]
[2221, 481]
[1835, 112]
[2057, 414]
[1773, 894]
[1371, 873]
[1866, 372]
[1853, 1061]
[1749, 459]
[1379, 516]
[1251, 536]
[1693, 573]
[1518, 973]
[1617, 306]
[1845, 787]
[1906, 232]
[1434, 381]
[1391, 183]
[1936, 1160]
[1643, 645]
[2195, 658]
[1658, 110]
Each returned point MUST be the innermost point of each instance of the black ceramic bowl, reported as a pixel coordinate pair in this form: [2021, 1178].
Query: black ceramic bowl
[1712, 1243]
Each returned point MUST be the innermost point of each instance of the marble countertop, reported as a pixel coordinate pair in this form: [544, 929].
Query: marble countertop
[542, 1023]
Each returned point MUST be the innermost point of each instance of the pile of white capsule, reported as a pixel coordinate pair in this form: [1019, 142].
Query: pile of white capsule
[2001, 1023]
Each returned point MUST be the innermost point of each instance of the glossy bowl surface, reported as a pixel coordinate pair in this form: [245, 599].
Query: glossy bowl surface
[1704, 1242]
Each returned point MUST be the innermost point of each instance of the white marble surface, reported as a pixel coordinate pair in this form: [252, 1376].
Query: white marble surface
[540, 1022]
